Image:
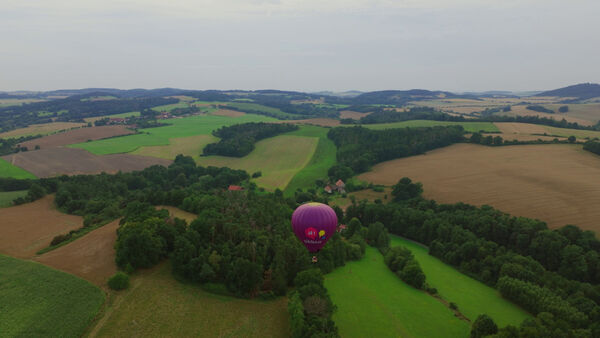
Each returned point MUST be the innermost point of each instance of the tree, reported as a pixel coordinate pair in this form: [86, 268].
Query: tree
[340, 172]
[476, 138]
[572, 139]
[353, 227]
[413, 275]
[563, 109]
[405, 189]
[483, 326]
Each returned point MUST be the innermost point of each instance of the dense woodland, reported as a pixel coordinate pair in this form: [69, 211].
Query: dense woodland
[238, 140]
[592, 146]
[540, 109]
[359, 148]
[383, 115]
[554, 274]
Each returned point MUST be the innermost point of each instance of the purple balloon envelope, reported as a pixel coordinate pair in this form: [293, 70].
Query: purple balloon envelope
[314, 224]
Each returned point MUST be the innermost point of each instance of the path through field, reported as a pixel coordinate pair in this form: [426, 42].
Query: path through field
[558, 184]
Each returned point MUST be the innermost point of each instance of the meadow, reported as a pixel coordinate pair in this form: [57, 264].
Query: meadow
[9, 170]
[43, 302]
[373, 302]
[470, 127]
[472, 297]
[122, 115]
[322, 159]
[41, 129]
[180, 127]
[258, 107]
[6, 197]
[556, 183]
[158, 305]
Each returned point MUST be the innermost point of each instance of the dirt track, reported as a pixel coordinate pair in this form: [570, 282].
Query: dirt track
[77, 136]
[70, 161]
[28, 228]
[91, 257]
[555, 183]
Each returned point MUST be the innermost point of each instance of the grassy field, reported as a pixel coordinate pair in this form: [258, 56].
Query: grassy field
[373, 302]
[184, 127]
[122, 115]
[7, 197]
[254, 106]
[556, 183]
[190, 146]
[9, 170]
[17, 102]
[41, 129]
[321, 161]
[279, 159]
[469, 126]
[472, 297]
[157, 305]
[43, 302]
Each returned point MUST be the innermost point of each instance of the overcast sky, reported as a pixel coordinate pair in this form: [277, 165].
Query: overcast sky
[306, 45]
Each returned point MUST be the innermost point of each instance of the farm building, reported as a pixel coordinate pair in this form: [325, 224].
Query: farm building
[235, 188]
[339, 186]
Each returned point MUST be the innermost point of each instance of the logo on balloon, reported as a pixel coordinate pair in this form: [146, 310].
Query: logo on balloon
[322, 234]
[311, 233]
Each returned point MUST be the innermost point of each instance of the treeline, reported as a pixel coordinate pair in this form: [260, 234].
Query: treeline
[552, 273]
[383, 115]
[538, 120]
[540, 109]
[359, 148]
[238, 140]
[592, 146]
[72, 109]
[12, 145]
[497, 140]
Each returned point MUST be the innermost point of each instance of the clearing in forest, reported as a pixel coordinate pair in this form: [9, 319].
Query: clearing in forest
[28, 228]
[156, 304]
[373, 302]
[349, 114]
[38, 301]
[472, 296]
[7, 197]
[556, 183]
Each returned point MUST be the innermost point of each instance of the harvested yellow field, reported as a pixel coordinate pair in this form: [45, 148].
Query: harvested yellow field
[42, 129]
[349, 114]
[279, 158]
[555, 183]
[189, 146]
[523, 111]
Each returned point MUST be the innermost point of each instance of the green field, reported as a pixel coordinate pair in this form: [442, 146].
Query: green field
[254, 106]
[6, 197]
[9, 170]
[278, 158]
[373, 302]
[157, 305]
[472, 297]
[322, 160]
[184, 127]
[470, 127]
[37, 301]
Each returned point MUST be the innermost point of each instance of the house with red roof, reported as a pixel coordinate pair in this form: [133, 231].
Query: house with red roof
[235, 188]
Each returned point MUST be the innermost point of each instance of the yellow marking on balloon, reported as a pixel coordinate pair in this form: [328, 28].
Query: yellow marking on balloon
[321, 233]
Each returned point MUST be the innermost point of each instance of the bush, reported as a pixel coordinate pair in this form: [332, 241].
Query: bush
[119, 281]
[60, 238]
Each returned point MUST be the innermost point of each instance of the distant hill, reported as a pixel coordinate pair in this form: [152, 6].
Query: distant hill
[349, 93]
[404, 96]
[582, 91]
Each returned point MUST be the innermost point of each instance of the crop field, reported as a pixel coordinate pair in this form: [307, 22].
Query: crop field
[349, 114]
[323, 122]
[472, 297]
[6, 197]
[27, 228]
[554, 183]
[258, 107]
[91, 257]
[228, 112]
[522, 110]
[468, 126]
[7, 169]
[373, 302]
[322, 159]
[158, 305]
[279, 159]
[69, 161]
[190, 146]
[180, 127]
[76, 136]
[60, 306]
[17, 102]
[41, 129]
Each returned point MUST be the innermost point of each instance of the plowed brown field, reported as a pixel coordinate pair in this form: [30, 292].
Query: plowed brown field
[28, 228]
[91, 257]
[555, 183]
[77, 136]
[349, 114]
[72, 161]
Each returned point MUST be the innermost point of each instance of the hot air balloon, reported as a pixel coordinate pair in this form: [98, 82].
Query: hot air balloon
[314, 223]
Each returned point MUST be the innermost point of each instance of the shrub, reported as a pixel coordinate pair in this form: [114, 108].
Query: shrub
[60, 238]
[119, 281]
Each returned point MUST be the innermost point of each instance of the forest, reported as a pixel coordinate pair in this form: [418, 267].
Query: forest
[554, 274]
[359, 148]
[382, 115]
[238, 140]
[592, 146]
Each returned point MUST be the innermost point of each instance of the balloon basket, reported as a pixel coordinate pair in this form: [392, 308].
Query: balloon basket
[314, 259]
